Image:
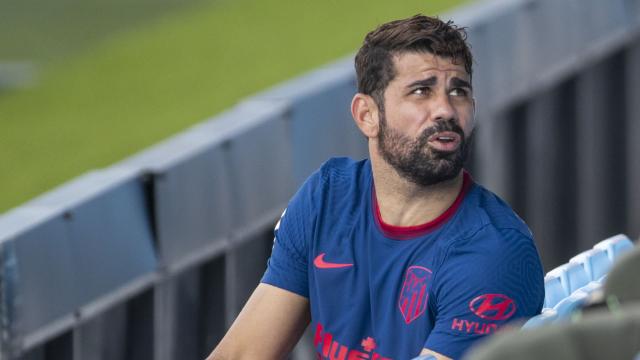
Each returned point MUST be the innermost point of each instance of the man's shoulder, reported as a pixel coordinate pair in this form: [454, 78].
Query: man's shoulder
[487, 225]
[343, 168]
[344, 175]
[491, 239]
[337, 180]
[492, 212]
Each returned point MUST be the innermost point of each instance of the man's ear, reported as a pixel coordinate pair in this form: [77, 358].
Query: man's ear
[365, 113]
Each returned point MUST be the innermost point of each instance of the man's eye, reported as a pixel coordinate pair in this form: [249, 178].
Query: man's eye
[420, 91]
[458, 92]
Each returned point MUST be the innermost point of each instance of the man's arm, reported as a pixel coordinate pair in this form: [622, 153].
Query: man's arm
[438, 356]
[487, 281]
[268, 327]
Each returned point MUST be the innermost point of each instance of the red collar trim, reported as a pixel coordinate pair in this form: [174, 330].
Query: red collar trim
[410, 232]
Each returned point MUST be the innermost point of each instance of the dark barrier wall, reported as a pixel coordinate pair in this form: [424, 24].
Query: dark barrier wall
[153, 257]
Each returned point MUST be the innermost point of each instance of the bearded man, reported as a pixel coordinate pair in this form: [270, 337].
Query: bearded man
[402, 254]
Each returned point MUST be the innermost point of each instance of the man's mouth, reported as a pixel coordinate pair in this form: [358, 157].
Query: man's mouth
[445, 141]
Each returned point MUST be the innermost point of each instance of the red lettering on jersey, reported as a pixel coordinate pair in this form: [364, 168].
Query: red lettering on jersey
[341, 354]
[357, 355]
[377, 356]
[469, 327]
[457, 324]
[334, 350]
[327, 339]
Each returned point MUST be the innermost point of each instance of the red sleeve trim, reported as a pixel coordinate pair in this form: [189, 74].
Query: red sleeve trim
[411, 232]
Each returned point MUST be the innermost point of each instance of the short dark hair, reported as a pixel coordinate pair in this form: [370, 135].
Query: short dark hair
[419, 33]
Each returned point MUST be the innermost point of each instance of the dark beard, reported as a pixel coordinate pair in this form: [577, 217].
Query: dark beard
[415, 160]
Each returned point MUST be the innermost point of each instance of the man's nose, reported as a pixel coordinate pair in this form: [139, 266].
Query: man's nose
[443, 109]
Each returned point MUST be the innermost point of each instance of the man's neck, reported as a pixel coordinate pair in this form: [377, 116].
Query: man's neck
[403, 203]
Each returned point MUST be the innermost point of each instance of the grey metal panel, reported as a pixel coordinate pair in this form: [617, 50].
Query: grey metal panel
[190, 312]
[103, 337]
[258, 162]
[606, 16]
[632, 92]
[140, 322]
[525, 59]
[549, 39]
[517, 168]
[477, 37]
[540, 161]
[551, 174]
[212, 314]
[601, 134]
[502, 47]
[192, 206]
[37, 246]
[177, 302]
[243, 276]
[32, 354]
[497, 32]
[632, 9]
[321, 125]
[187, 187]
[518, 44]
[193, 186]
[111, 239]
[60, 347]
[493, 144]
[75, 244]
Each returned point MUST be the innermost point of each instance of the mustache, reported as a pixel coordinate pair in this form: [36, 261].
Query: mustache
[440, 126]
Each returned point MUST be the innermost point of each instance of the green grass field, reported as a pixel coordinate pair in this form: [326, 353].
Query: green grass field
[129, 78]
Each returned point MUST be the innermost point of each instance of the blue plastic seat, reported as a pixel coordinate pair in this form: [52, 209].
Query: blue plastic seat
[572, 276]
[568, 305]
[425, 357]
[615, 246]
[591, 287]
[595, 262]
[546, 317]
[553, 290]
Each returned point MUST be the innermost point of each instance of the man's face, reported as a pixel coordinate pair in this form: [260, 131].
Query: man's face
[428, 118]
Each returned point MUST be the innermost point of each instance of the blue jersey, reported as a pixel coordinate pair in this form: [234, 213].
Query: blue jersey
[378, 291]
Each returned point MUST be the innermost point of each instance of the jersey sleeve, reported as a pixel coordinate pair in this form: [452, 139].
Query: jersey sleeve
[288, 265]
[493, 278]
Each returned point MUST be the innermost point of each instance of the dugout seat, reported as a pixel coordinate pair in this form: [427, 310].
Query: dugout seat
[615, 246]
[593, 286]
[553, 289]
[571, 303]
[565, 306]
[598, 335]
[546, 317]
[572, 277]
[595, 262]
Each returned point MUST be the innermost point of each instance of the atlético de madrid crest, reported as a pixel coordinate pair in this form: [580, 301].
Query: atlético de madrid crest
[415, 293]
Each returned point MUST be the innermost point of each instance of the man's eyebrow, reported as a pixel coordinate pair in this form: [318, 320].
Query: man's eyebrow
[457, 82]
[424, 82]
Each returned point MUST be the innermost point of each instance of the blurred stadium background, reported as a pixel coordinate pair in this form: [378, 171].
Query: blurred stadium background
[84, 84]
[151, 250]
